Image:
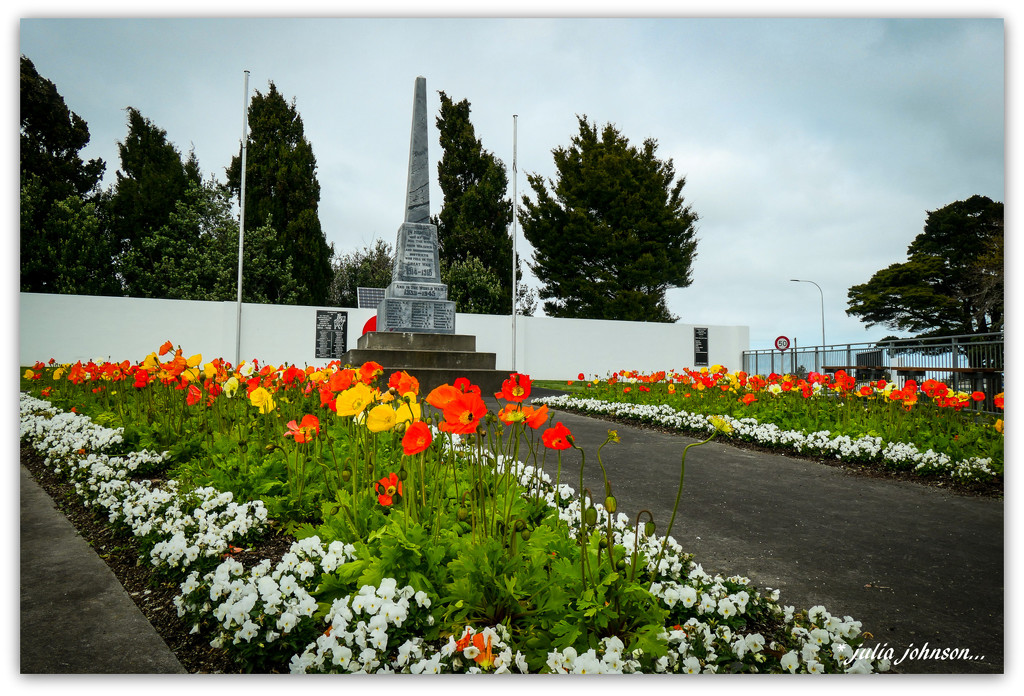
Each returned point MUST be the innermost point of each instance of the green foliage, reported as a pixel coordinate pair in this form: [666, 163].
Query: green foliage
[369, 267]
[282, 192]
[474, 222]
[78, 256]
[613, 234]
[151, 183]
[952, 281]
[56, 189]
[474, 288]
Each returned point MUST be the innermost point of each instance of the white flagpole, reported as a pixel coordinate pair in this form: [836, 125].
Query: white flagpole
[241, 221]
[515, 257]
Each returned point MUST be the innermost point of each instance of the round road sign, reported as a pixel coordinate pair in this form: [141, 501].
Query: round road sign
[782, 343]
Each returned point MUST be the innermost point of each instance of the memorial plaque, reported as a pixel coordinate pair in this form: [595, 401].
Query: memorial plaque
[700, 347]
[416, 255]
[416, 316]
[417, 291]
[331, 334]
[369, 298]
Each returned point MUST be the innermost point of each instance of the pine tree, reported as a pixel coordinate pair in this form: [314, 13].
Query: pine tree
[282, 192]
[613, 234]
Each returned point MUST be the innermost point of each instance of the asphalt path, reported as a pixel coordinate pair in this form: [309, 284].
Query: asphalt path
[920, 567]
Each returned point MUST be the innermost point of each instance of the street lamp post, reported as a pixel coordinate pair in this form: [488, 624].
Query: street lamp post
[794, 280]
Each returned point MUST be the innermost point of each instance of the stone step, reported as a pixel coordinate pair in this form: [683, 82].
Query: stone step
[408, 359]
[387, 340]
[430, 378]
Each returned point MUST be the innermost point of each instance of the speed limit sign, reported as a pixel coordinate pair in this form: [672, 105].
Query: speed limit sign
[782, 343]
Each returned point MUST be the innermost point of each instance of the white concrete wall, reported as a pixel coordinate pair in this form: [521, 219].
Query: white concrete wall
[79, 327]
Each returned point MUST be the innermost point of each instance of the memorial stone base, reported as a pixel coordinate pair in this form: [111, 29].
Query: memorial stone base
[432, 358]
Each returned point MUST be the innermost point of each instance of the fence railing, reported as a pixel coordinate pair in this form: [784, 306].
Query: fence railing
[966, 363]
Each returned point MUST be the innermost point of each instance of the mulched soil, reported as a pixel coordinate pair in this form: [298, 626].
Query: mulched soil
[992, 489]
[155, 598]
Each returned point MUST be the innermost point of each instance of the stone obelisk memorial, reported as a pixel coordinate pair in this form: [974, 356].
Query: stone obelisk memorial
[416, 320]
[417, 300]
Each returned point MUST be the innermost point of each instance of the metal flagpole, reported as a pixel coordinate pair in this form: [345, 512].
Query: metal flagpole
[515, 256]
[241, 221]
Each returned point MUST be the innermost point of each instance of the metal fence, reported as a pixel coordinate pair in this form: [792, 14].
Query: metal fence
[965, 363]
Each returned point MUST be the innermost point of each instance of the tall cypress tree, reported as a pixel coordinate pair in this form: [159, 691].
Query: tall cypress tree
[150, 183]
[57, 187]
[282, 191]
[474, 221]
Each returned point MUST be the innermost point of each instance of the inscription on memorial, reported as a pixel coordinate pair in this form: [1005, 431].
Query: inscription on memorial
[331, 334]
[416, 258]
[427, 316]
[700, 347]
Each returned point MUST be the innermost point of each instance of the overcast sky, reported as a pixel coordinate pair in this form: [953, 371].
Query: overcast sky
[811, 148]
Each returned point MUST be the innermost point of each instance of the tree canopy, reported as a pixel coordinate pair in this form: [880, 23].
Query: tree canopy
[612, 234]
[57, 188]
[151, 182]
[283, 193]
[369, 267]
[952, 280]
[473, 225]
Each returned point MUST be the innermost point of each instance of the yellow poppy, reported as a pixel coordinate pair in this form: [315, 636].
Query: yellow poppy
[381, 418]
[262, 399]
[353, 400]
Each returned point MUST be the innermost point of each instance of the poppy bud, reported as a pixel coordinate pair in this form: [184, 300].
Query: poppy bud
[520, 525]
[402, 474]
[462, 514]
[346, 475]
[649, 528]
[603, 543]
[525, 534]
[590, 516]
[620, 564]
[610, 505]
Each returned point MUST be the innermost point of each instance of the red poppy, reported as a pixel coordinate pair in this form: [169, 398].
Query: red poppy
[515, 388]
[463, 413]
[304, 431]
[166, 348]
[369, 371]
[557, 437]
[978, 396]
[580, 377]
[464, 385]
[194, 395]
[387, 488]
[417, 438]
[749, 399]
[403, 383]
[341, 380]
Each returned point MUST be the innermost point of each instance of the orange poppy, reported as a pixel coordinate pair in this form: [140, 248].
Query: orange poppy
[403, 383]
[194, 395]
[442, 396]
[369, 371]
[535, 417]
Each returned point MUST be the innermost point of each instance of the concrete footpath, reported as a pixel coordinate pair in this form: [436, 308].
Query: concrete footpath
[76, 618]
[920, 567]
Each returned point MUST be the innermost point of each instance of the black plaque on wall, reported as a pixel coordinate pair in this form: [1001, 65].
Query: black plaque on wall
[331, 334]
[700, 347]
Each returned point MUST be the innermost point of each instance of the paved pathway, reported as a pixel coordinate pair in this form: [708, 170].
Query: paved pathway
[917, 565]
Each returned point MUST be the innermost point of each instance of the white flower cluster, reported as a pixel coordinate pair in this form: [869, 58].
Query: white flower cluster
[824, 641]
[262, 603]
[609, 661]
[183, 527]
[866, 448]
[61, 436]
